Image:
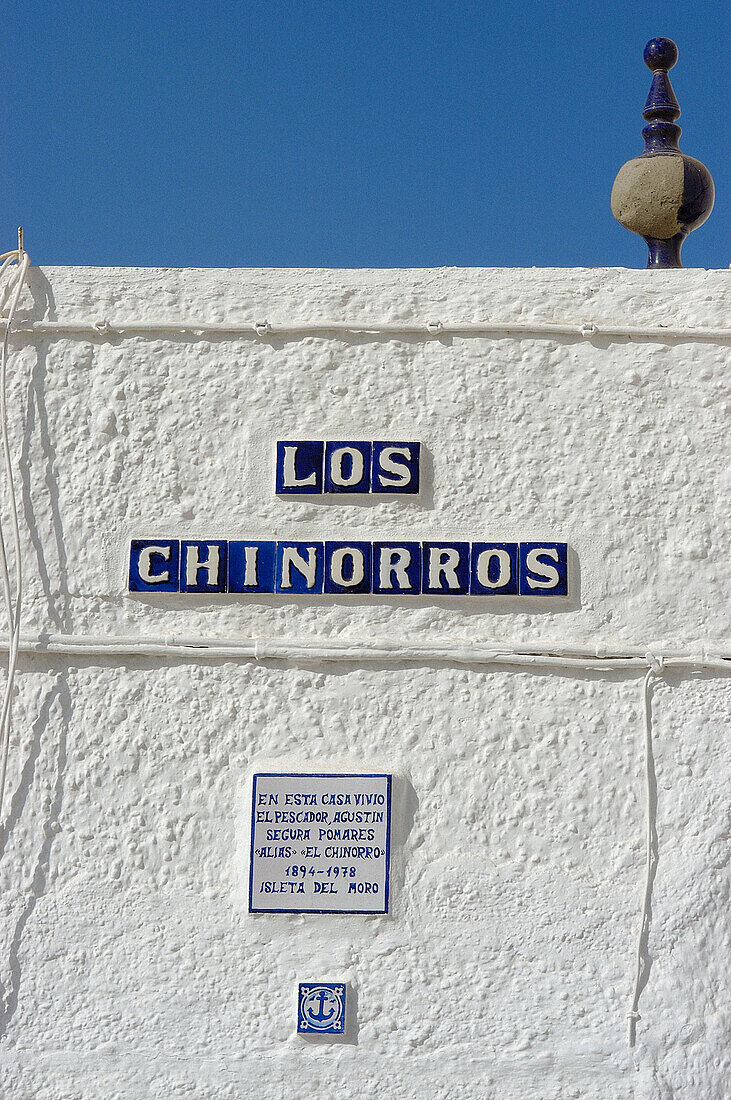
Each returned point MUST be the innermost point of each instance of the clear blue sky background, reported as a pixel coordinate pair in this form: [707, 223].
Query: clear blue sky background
[351, 133]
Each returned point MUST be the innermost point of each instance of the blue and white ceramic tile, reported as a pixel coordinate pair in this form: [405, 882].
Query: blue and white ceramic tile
[397, 568]
[348, 567]
[251, 566]
[299, 467]
[347, 467]
[154, 565]
[299, 567]
[445, 568]
[494, 569]
[395, 467]
[543, 569]
[321, 1008]
[203, 565]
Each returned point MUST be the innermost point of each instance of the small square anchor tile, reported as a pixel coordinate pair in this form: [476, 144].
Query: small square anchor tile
[321, 1008]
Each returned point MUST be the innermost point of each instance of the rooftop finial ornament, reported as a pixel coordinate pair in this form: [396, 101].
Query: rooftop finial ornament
[663, 194]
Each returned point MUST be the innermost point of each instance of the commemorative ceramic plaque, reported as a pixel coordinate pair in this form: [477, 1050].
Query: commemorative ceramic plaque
[320, 843]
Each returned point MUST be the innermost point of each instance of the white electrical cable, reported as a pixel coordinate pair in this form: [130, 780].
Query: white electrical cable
[11, 291]
[4, 289]
[360, 651]
[587, 330]
[642, 968]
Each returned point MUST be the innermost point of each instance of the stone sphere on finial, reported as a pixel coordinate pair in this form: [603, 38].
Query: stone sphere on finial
[660, 53]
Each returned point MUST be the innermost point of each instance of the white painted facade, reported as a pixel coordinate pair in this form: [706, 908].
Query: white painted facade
[129, 962]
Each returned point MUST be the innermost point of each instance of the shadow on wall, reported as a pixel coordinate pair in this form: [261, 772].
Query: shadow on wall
[37, 414]
[350, 1034]
[644, 958]
[54, 715]
[58, 698]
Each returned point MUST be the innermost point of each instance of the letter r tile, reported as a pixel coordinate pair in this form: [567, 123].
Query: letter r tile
[397, 568]
[445, 568]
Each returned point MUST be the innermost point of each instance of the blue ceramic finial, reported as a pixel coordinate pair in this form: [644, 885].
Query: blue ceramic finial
[663, 194]
[661, 106]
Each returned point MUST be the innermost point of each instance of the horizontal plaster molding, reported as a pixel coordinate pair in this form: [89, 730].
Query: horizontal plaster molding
[361, 651]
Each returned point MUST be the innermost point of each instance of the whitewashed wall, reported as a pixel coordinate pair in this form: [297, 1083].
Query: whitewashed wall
[129, 964]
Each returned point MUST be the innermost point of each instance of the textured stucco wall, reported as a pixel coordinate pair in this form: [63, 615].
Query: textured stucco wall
[129, 964]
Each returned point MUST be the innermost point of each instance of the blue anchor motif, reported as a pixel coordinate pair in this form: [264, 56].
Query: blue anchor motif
[321, 1008]
[321, 1016]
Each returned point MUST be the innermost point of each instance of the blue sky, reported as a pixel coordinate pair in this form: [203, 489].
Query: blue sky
[346, 134]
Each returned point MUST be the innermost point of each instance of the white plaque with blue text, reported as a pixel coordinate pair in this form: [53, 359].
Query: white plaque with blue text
[320, 843]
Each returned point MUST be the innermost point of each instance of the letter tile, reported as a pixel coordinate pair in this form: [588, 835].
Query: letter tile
[299, 467]
[347, 567]
[395, 467]
[251, 566]
[347, 467]
[299, 567]
[203, 566]
[397, 568]
[494, 569]
[543, 569]
[445, 568]
[154, 565]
